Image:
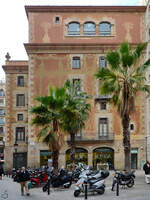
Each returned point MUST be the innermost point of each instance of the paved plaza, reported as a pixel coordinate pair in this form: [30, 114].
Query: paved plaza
[10, 190]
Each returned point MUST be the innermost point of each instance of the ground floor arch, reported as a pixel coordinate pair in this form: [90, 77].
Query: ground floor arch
[103, 156]
[81, 156]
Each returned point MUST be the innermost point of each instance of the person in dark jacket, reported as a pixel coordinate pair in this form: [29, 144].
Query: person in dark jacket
[1, 171]
[23, 178]
[146, 169]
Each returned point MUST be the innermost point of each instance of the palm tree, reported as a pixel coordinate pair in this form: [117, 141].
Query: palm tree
[122, 80]
[47, 117]
[75, 113]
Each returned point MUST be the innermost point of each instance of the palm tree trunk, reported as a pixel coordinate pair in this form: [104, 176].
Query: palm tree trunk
[126, 141]
[72, 152]
[55, 160]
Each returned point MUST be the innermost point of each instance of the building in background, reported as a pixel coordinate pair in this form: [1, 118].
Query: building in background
[2, 118]
[70, 42]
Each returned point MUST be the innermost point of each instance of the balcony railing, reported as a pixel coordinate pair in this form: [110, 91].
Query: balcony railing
[102, 97]
[100, 138]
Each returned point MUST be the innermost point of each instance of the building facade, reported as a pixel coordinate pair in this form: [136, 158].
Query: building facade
[2, 118]
[70, 42]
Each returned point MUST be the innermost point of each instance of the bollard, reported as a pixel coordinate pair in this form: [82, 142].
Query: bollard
[117, 190]
[48, 190]
[86, 190]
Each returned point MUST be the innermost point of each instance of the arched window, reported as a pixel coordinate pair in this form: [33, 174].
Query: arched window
[89, 28]
[81, 156]
[104, 28]
[2, 94]
[74, 28]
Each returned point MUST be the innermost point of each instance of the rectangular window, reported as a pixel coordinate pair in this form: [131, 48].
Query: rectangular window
[20, 117]
[77, 82]
[149, 34]
[2, 102]
[57, 20]
[20, 81]
[76, 64]
[102, 62]
[1, 129]
[20, 133]
[20, 100]
[2, 112]
[103, 105]
[2, 121]
[103, 127]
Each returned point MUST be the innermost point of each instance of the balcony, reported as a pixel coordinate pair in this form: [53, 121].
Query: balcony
[92, 140]
[102, 97]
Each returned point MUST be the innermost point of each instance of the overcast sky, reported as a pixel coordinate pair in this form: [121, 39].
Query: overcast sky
[14, 23]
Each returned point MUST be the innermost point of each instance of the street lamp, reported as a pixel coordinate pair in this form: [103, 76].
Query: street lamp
[15, 146]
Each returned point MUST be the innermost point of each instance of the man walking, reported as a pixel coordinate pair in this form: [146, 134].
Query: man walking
[23, 178]
[146, 168]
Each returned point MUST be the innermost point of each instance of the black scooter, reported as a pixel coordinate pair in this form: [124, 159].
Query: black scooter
[63, 180]
[123, 179]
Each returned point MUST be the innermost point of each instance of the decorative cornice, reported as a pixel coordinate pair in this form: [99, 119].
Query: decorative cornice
[15, 68]
[36, 48]
[86, 9]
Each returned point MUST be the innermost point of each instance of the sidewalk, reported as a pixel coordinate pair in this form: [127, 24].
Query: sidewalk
[141, 191]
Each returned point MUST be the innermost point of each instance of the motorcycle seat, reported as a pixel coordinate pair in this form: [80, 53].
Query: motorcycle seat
[92, 181]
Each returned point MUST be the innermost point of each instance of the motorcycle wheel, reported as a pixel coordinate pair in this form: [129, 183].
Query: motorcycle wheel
[44, 188]
[76, 193]
[131, 183]
[34, 183]
[101, 191]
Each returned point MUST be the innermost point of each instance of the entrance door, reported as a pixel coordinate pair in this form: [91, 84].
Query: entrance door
[134, 158]
[20, 160]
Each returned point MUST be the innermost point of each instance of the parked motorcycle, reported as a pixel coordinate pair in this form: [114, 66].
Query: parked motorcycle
[38, 179]
[63, 179]
[123, 179]
[95, 183]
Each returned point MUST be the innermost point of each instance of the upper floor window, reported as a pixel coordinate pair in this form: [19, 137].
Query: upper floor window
[20, 81]
[105, 28]
[20, 117]
[89, 28]
[2, 121]
[2, 93]
[103, 127]
[103, 105]
[102, 62]
[2, 112]
[57, 20]
[74, 28]
[1, 102]
[20, 100]
[76, 64]
[20, 133]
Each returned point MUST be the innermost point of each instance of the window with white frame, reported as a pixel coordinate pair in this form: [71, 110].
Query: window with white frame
[20, 117]
[2, 112]
[2, 93]
[2, 121]
[103, 105]
[20, 133]
[76, 62]
[73, 28]
[103, 127]
[89, 28]
[105, 28]
[102, 62]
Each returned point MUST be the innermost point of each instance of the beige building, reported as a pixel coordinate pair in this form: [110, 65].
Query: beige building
[71, 43]
[2, 118]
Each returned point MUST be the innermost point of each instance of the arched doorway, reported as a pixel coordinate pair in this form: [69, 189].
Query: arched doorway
[103, 156]
[81, 156]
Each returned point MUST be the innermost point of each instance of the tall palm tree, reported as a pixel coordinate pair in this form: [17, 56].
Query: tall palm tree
[75, 113]
[47, 117]
[122, 80]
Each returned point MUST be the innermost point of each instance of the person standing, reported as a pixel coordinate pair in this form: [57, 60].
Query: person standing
[1, 171]
[146, 169]
[23, 178]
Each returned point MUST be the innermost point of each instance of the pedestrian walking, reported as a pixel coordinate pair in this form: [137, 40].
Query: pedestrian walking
[146, 169]
[23, 178]
[1, 171]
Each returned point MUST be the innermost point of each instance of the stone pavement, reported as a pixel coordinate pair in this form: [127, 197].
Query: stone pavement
[10, 190]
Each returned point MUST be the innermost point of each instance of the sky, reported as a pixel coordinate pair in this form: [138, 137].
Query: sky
[14, 24]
